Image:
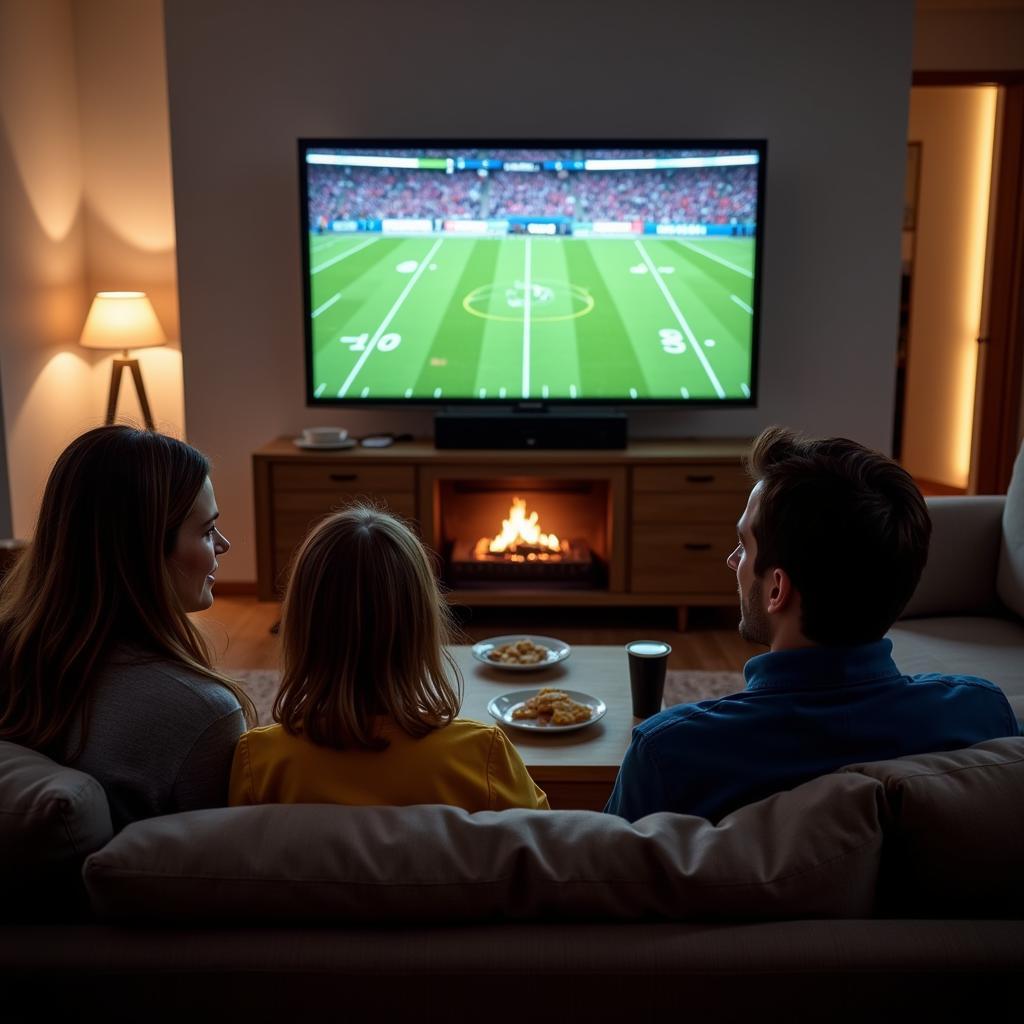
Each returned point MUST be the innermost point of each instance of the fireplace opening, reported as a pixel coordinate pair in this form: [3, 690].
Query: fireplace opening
[525, 533]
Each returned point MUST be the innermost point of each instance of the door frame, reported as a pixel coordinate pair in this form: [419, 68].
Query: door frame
[1001, 378]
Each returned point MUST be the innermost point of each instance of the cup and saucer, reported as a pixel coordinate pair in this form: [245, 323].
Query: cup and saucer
[324, 439]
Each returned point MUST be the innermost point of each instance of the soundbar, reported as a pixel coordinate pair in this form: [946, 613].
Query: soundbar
[505, 428]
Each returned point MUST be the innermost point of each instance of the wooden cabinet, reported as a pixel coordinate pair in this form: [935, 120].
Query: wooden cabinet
[684, 526]
[670, 510]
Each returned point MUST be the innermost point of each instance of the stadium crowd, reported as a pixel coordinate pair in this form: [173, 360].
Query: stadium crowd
[707, 195]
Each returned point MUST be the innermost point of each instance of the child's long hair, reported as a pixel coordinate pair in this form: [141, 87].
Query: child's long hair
[363, 633]
[95, 577]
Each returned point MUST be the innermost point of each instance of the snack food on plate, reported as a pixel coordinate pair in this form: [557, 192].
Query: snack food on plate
[553, 707]
[522, 652]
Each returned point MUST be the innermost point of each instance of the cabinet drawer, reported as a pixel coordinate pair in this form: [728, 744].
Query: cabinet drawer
[402, 503]
[683, 559]
[692, 479]
[295, 514]
[342, 476]
[680, 507]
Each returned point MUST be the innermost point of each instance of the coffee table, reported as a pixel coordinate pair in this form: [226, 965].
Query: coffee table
[576, 769]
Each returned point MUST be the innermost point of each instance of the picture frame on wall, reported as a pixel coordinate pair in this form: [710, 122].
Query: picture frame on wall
[911, 187]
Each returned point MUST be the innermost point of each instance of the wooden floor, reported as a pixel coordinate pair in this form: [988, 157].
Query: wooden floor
[239, 629]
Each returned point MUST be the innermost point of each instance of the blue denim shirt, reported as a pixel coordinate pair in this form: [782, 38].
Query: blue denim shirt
[802, 714]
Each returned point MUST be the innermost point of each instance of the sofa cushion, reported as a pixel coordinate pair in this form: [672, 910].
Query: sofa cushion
[809, 852]
[992, 648]
[1010, 578]
[954, 843]
[51, 817]
[49, 814]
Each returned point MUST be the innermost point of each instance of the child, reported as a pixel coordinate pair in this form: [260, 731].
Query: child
[366, 711]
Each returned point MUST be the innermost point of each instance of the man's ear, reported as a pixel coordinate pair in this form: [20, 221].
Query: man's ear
[779, 593]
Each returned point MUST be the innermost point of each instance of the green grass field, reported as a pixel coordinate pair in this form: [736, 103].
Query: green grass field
[531, 317]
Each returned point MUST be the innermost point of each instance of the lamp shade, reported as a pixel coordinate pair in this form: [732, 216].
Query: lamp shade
[122, 320]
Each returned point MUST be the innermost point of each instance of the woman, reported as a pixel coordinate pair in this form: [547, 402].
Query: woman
[366, 708]
[100, 666]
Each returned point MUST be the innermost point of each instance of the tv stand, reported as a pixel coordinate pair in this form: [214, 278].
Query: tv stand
[660, 515]
[530, 425]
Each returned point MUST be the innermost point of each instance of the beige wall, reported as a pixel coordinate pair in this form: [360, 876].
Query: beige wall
[247, 79]
[85, 204]
[127, 193]
[956, 129]
[47, 380]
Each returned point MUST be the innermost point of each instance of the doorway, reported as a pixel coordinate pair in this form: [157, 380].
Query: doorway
[959, 368]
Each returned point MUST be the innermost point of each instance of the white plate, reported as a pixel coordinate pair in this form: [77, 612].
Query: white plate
[349, 442]
[557, 650]
[502, 707]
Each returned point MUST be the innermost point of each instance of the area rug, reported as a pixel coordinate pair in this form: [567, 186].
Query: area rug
[681, 687]
[688, 687]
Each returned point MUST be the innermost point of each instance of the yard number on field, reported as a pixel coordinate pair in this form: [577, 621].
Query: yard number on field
[672, 341]
[357, 342]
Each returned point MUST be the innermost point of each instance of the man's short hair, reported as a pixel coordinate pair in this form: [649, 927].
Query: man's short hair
[847, 524]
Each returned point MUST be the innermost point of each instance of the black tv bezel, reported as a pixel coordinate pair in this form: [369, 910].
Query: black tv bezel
[759, 145]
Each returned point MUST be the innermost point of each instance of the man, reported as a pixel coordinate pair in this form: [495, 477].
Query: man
[831, 547]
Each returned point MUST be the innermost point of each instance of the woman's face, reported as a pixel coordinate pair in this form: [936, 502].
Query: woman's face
[193, 561]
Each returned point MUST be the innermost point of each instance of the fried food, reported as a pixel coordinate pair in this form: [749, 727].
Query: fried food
[553, 707]
[522, 652]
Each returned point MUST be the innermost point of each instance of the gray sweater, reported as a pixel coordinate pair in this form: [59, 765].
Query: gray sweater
[160, 738]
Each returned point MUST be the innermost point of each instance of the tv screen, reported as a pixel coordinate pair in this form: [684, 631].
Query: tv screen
[511, 272]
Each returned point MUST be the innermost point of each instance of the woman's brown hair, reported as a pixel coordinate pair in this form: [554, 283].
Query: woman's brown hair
[363, 633]
[95, 577]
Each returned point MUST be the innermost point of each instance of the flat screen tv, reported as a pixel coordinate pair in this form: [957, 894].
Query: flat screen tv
[511, 272]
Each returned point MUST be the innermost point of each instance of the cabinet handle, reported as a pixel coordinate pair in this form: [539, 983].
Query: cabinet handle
[697, 547]
[700, 478]
[342, 477]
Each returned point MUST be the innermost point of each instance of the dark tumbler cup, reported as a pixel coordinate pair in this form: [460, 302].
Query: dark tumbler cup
[648, 660]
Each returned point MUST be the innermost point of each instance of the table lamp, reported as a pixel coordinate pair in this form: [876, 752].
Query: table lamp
[123, 320]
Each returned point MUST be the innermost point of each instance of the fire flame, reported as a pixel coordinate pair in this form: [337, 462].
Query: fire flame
[521, 531]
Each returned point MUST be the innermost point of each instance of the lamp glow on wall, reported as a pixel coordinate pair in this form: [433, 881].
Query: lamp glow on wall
[123, 320]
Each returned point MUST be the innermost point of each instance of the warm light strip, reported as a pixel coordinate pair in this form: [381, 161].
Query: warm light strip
[974, 239]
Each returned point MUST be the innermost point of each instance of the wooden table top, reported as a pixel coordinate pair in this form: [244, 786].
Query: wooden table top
[592, 753]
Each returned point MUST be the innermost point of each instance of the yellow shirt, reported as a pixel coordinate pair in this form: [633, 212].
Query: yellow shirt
[464, 764]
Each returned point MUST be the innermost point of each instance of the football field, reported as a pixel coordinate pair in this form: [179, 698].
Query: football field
[442, 316]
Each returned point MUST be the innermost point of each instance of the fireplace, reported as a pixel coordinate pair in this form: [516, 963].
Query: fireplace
[525, 533]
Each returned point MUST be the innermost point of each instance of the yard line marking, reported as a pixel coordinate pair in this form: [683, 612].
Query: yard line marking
[544, 391]
[632, 392]
[327, 305]
[718, 259]
[437, 392]
[319, 390]
[501, 392]
[745, 390]
[342, 256]
[326, 243]
[719, 390]
[572, 390]
[526, 324]
[364, 392]
[739, 302]
[483, 392]
[684, 392]
[408, 392]
[387, 320]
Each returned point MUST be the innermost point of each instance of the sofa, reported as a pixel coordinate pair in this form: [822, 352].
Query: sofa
[880, 891]
[967, 614]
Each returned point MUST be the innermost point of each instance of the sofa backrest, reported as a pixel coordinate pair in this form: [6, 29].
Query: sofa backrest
[954, 832]
[51, 818]
[1010, 579]
[810, 852]
[960, 576]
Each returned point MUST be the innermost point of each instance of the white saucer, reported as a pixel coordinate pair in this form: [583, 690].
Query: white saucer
[349, 442]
